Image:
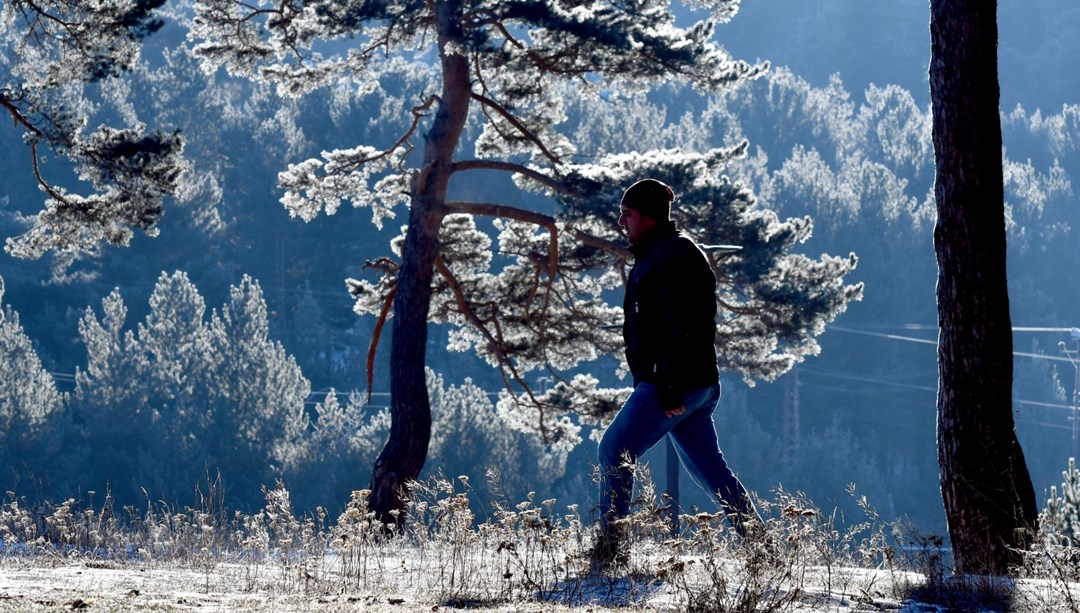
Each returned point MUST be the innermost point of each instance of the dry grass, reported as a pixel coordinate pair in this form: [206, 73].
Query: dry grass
[525, 556]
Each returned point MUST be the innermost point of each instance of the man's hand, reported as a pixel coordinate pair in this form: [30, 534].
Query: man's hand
[674, 412]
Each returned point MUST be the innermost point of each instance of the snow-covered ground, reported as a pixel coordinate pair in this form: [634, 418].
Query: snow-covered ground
[525, 558]
[44, 584]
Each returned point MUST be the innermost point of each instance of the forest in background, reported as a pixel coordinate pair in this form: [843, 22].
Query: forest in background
[855, 157]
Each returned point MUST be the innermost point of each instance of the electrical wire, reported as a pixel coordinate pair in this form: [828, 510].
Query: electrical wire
[912, 339]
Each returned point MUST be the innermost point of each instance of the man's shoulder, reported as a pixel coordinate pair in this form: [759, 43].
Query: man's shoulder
[673, 256]
[685, 239]
[681, 245]
[672, 245]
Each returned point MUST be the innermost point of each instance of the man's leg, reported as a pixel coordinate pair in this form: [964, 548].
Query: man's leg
[695, 440]
[638, 426]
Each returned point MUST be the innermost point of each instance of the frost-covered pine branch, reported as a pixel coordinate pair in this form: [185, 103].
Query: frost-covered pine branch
[56, 52]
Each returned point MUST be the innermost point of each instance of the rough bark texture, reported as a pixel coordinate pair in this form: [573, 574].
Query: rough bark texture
[988, 496]
[410, 429]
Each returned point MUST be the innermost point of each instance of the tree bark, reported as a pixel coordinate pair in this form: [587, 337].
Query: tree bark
[985, 486]
[403, 457]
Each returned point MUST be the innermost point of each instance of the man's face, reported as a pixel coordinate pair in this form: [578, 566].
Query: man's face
[634, 223]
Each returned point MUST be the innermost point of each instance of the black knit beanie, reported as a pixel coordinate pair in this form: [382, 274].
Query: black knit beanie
[651, 198]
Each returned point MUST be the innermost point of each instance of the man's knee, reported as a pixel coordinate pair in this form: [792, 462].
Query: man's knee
[612, 452]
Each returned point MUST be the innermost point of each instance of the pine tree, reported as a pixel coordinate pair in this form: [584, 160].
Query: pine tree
[112, 404]
[141, 399]
[342, 436]
[470, 438]
[179, 396]
[31, 407]
[504, 68]
[259, 389]
[1061, 517]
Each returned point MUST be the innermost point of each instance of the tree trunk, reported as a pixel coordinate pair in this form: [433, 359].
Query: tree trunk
[988, 496]
[410, 410]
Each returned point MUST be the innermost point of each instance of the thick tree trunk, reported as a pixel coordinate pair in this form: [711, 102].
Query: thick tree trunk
[410, 429]
[988, 496]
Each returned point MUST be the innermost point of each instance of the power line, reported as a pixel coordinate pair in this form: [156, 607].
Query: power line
[931, 372]
[934, 328]
[1034, 403]
[912, 339]
[1048, 405]
[887, 382]
[867, 379]
[895, 337]
[850, 390]
[1041, 424]
[1040, 356]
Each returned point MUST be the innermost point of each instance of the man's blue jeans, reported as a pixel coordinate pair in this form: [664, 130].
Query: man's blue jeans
[640, 424]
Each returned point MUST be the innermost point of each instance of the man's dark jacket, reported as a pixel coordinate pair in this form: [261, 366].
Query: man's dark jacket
[670, 315]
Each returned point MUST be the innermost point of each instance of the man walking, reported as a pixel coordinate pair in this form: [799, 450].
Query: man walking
[669, 330]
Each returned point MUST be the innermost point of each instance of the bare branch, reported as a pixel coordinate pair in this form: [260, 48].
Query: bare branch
[541, 178]
[17, 116]
[540, 219]
[501, 110]
[403, 142]
[484, 17]
[17, 119]
[739, 309]
[49, 189]
[506, 366]
[604, 244]
[384, 265]
[376, 334]
[501, 210]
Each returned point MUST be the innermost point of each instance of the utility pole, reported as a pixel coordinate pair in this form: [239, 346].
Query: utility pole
[672, 465]
[1074, 359]
[789, 444]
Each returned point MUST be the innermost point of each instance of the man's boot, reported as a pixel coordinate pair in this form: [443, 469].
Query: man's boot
[611, 549]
